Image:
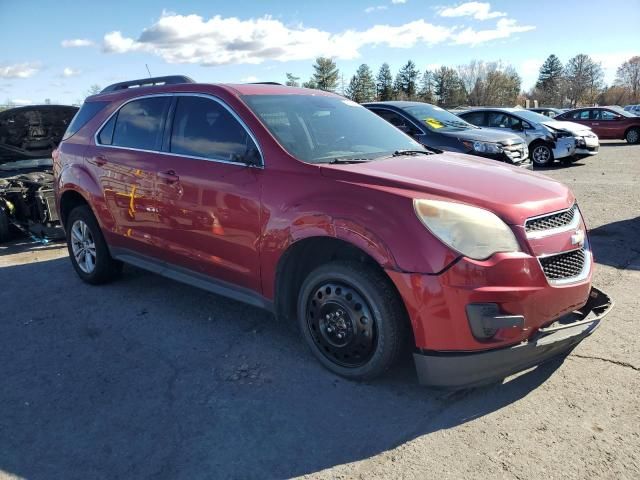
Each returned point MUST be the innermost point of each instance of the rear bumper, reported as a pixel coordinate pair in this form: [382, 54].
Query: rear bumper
[468, 369]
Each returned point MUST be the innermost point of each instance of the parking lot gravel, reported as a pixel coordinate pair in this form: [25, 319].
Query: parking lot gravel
[148, 378]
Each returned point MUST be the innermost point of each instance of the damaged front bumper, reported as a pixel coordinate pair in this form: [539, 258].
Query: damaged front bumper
[468, 369]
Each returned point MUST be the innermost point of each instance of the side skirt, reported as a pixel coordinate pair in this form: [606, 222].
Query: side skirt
[192, 278]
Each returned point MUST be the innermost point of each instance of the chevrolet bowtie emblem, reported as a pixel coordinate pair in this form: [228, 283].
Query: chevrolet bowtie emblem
[577, 238]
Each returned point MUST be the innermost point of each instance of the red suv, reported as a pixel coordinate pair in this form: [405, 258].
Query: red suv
[607, 122]
[309, 205]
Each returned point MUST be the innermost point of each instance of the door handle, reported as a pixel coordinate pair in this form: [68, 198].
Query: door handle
[169, 176]
[98, 160]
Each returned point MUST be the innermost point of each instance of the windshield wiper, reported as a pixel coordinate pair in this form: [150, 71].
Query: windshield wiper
[399, 153]
[349, 160]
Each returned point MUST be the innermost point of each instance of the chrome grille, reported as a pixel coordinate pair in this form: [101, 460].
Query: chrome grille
[551, 221]
[564, 265]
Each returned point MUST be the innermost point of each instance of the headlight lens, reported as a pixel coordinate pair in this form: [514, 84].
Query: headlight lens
[474, 232]
[483, 147]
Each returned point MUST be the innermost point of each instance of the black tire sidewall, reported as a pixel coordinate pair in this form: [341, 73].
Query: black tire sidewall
[387, 321]
[5, 233]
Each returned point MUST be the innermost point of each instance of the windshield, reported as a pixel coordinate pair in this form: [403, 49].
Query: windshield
[621, 111]
[530, 116]
[318, 129]
[437, 119]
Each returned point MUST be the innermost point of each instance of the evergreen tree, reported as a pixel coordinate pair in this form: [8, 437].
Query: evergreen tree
[292, 80]
[448, 87]
[325, 76]
[384, 83]
[406, 80]
[426, 87]
[550, 81]
[362, 87]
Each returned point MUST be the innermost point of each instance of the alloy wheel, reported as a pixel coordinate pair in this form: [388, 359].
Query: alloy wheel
[633, 136]
[83, 246]
[541, 155]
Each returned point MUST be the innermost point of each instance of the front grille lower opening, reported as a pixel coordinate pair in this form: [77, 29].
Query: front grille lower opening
[564, 265]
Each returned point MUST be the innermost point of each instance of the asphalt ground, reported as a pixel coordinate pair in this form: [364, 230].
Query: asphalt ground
[149, 378]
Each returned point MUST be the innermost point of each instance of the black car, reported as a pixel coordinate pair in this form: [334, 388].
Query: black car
[437, 128]
[28, 135]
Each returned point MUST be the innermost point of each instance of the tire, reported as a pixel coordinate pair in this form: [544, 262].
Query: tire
[632, 136]
[354, 300]
[5, 232]
[84, 242]
[541, 155]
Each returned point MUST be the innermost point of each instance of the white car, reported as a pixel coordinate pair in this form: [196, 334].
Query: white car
[635, 109]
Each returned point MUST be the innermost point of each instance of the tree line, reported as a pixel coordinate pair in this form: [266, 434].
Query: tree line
[579, 82]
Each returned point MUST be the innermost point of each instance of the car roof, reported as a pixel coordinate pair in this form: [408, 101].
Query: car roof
[238, 89]
[398, 103]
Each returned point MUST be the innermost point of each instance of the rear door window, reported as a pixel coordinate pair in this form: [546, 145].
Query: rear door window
[476, 118]
[140, 124]
[204, 128]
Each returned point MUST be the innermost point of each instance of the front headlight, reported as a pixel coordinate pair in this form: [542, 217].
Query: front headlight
[482, 147]
[474, 232]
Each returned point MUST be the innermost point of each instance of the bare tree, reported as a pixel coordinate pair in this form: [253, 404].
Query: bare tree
[628, 77]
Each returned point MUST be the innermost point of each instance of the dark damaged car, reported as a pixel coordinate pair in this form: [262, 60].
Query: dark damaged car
[28, 136]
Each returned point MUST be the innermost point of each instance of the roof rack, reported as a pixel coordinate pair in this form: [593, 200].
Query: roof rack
[148, 82]
[265, 83]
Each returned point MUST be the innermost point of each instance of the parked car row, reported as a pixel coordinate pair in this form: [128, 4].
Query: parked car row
[313, 207]
[547, 139]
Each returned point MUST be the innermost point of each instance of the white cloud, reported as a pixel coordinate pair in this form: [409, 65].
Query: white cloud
[505, 27]
[396, 2]
[222, 41]
[377, 8]
[611, 61]
[477, 10]
[18, 70]
[77, 42]
[70, 72]
[249, 79]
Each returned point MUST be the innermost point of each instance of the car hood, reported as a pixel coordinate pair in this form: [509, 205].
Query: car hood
[32, 132]
[571, 127]
[485, 135]
[512, 193]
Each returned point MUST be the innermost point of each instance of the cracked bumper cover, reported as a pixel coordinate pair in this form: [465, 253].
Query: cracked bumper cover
[462, 370]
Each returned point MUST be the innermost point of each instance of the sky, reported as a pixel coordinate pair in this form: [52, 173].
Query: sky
[56, 50]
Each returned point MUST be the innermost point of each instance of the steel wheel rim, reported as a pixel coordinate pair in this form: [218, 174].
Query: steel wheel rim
[632, 136]
[541, 154]
[83, 246]
[341, 324]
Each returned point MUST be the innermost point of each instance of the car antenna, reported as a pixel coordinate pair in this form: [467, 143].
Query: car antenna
[148, 71]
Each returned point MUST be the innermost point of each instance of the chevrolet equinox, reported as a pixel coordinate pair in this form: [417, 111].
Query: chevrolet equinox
[309, 205]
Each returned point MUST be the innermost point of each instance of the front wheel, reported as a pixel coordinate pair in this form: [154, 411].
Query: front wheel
[542, 155]
[633, 136]
[352, 319]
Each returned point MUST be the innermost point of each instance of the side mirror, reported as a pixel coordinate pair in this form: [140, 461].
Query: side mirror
[517, 128]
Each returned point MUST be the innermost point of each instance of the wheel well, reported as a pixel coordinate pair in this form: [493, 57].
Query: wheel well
[304, 256]
[68, 202]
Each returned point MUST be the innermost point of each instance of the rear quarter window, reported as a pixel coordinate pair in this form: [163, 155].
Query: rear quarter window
[86, 113]
[140, 124]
